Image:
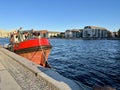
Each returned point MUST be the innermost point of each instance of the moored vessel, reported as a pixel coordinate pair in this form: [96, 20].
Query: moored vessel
[31, 45]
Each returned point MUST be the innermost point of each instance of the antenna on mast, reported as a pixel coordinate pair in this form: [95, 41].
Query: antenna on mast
[20, 28]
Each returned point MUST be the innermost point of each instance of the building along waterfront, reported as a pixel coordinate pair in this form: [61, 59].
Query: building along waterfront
[94, 32]
[89, 32]
[4, 34]
[73, 33]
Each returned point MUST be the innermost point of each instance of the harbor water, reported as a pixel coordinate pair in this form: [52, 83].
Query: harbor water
[91, 62]
[4, 41]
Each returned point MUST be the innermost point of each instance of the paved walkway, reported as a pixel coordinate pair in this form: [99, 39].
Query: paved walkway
[18, 73]
[7, 82]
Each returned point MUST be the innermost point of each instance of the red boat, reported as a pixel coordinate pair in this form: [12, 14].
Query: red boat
[34, 48]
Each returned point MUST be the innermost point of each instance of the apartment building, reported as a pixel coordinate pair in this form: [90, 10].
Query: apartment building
[94, 32]
[52, 34]
[73, 33]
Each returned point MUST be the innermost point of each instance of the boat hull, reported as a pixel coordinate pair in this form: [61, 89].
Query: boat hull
[38, 55]
[36, 50]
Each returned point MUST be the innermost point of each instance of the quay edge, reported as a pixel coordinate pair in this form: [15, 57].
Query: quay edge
[50, 76]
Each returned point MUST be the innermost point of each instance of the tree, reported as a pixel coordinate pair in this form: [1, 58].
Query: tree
[119, 33]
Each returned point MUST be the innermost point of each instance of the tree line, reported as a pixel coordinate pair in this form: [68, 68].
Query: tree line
[119, 33]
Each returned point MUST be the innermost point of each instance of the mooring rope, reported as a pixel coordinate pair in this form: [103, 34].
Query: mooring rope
[45, 59]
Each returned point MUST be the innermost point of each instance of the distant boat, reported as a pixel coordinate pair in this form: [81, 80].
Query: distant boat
[30, 45]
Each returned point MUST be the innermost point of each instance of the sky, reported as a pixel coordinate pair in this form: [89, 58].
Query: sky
[59, 15]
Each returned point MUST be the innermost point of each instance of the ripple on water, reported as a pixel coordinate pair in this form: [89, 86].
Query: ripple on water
[88, 61]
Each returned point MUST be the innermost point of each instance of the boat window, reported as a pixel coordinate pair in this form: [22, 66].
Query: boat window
[11, 36]
[16, 36]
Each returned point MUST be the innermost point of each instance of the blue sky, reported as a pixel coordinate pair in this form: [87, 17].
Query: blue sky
[59, 15]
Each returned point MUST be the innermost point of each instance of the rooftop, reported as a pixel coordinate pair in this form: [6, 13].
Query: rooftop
[95, 27]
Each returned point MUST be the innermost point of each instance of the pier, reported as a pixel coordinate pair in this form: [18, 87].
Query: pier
[18, 73]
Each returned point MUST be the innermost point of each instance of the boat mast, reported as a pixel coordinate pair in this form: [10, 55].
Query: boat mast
[19, 34]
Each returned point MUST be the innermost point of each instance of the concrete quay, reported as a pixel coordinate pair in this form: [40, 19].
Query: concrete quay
[7, 81]
[18, 73]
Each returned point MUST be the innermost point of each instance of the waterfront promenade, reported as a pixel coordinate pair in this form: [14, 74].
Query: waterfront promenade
[18, 73]
[7, 81]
